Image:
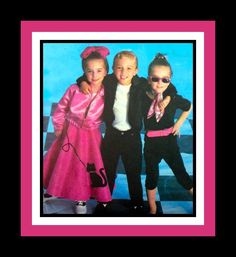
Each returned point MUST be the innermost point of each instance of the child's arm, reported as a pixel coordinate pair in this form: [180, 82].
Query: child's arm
[58, 117]
[58, 133]
[85, 88]
[180, 121]
[83, 85]
[162, 104]
[170, 93]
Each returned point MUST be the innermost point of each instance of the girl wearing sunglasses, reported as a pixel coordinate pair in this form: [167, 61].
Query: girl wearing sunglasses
[161, 129]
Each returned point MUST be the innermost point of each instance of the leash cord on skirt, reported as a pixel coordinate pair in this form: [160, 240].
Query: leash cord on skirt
[67, 146]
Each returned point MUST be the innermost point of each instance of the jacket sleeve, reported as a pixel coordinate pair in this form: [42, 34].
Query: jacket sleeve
[81, 79]
[182, 103]
[139, 80]
[170, 91]
[59, 115]
[109, 79]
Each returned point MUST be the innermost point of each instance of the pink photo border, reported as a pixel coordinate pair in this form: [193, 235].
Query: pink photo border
[27, 27]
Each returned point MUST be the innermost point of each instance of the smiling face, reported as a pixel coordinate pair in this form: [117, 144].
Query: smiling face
[163, 75]
[95, 71]
[124, 69]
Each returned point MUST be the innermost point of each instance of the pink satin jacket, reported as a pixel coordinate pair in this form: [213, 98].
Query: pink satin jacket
[81, 110]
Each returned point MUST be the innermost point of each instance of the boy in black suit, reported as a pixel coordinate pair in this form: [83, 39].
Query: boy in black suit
[123, 118]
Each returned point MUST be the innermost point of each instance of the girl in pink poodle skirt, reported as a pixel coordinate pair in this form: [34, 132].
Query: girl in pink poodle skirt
[73, 166]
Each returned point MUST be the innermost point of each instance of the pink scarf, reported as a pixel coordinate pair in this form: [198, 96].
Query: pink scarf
[154, 108]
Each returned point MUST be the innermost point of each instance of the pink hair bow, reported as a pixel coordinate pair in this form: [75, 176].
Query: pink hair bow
[103, 51]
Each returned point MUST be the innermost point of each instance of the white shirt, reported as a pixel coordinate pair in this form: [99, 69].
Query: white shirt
[120, 108]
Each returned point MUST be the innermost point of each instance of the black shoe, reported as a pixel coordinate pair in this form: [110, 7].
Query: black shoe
[102, 209]
[138, 210]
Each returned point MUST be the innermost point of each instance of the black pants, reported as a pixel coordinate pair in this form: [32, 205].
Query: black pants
[158, 148]
[128, 146]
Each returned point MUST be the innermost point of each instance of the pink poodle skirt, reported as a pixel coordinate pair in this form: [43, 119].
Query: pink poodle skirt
[73, 166]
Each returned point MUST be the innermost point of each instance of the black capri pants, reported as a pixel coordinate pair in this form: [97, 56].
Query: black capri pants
[166, 147]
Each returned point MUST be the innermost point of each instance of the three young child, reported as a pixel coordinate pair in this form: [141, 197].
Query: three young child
[123, 100]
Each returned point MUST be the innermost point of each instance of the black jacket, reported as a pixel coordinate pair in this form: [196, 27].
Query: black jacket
[137, 90]
[135, 109]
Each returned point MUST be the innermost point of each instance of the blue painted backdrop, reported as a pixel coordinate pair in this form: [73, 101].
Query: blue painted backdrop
[62, 65]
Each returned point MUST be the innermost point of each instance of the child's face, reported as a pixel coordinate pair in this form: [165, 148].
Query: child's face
[95, 71]
[161, 76]
[124, 69]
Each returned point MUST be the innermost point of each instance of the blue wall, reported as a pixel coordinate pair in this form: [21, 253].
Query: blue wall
[62, 65]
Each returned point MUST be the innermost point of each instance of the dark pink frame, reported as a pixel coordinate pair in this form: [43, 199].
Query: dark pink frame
[27, 27]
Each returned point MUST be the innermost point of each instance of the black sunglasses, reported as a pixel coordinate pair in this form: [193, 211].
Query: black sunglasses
[164, 80]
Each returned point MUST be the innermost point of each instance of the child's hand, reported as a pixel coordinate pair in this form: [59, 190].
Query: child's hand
[85, 88]
[58, 133]
[164, 103]
[176, 129]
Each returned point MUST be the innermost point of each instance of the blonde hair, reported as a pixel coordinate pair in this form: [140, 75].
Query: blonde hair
[128, 54]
